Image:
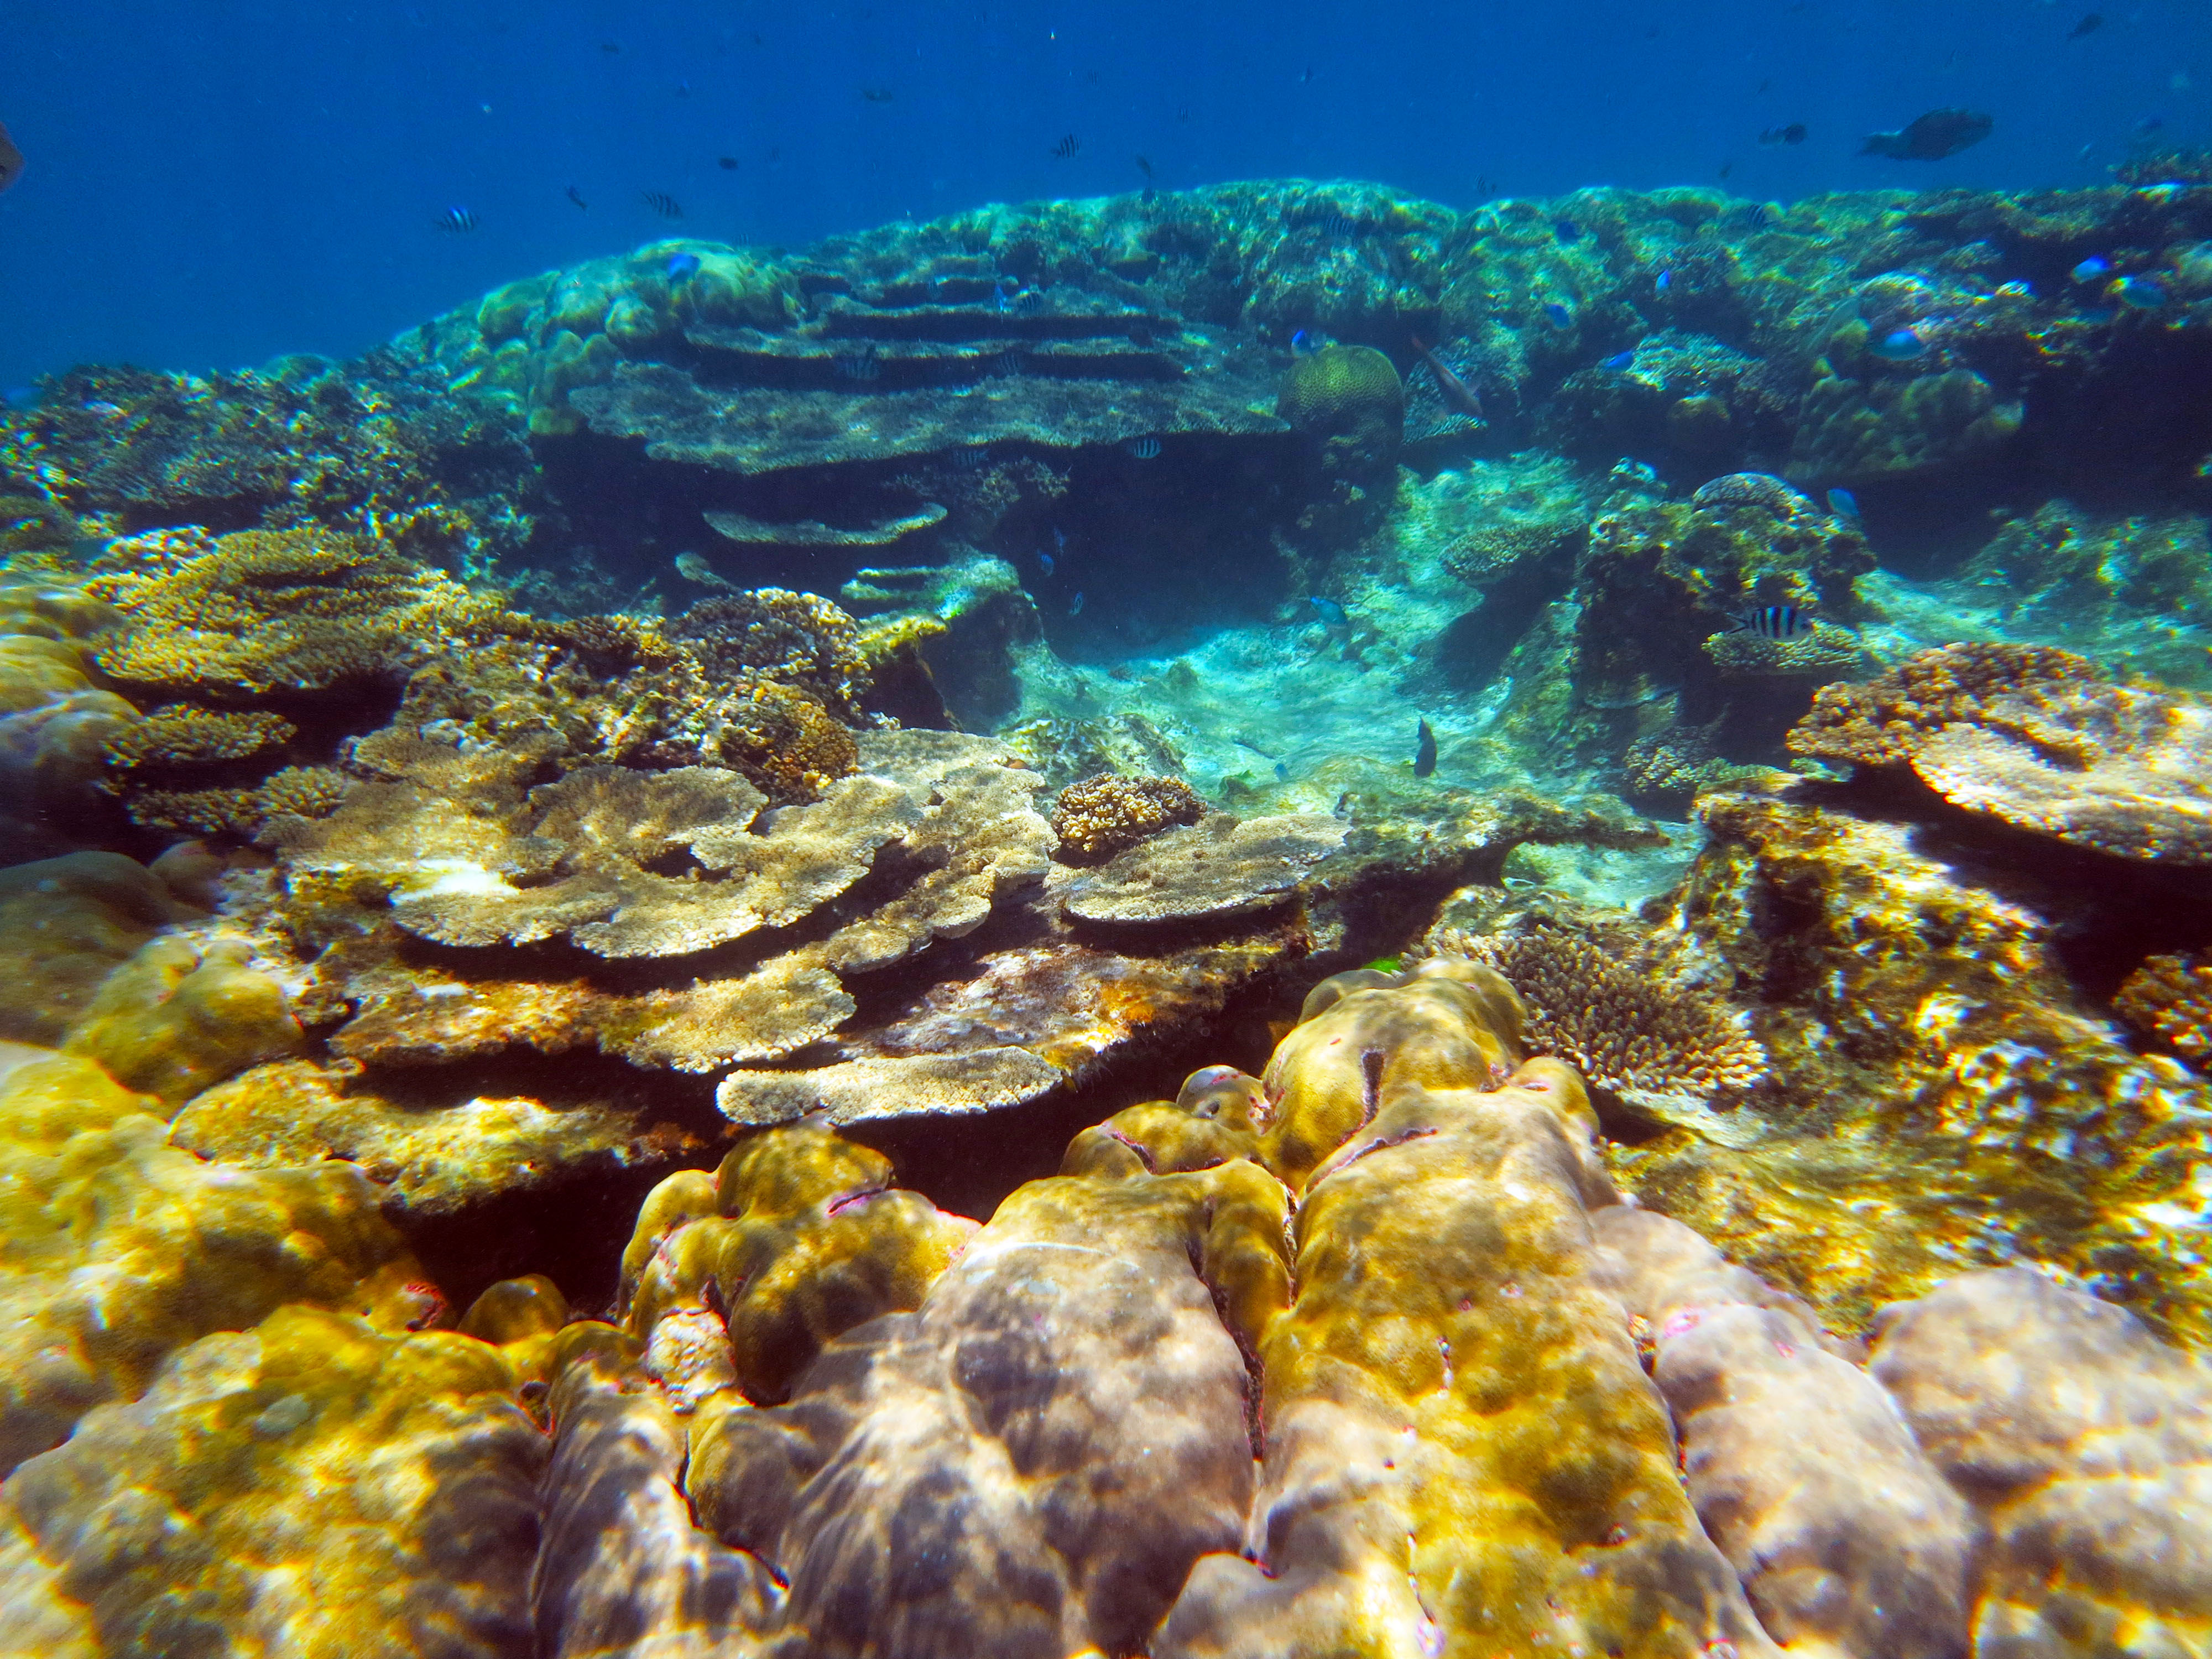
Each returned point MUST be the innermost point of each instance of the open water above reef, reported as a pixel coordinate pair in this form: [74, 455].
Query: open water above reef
[1256, 918]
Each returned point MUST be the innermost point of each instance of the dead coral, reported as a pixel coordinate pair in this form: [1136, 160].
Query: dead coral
[1102, 816]
[1884, 720]
[267, 611]
[1659, 1046]
[2170, 997]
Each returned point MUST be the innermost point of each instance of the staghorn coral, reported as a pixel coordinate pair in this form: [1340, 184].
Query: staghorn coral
[260, 611]
[1661, 1047]
[2170, 997]
[1108, 814]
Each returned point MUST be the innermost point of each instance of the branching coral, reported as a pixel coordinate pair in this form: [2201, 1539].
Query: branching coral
[292, 610]
[1658, 1046]
[1102, 816]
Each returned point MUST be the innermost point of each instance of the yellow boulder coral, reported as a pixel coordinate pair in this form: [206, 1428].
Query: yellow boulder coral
[116, 1248]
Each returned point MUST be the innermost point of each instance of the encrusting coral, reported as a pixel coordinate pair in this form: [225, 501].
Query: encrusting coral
[2038, 738]
[2170, 997]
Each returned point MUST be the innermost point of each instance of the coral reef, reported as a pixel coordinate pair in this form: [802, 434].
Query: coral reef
[1671, 1050]
[2170, 997]
[2035, 738]
[1109, 813]
[1943, 1093]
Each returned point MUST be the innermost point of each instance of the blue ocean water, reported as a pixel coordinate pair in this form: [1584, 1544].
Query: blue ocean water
[212, 186]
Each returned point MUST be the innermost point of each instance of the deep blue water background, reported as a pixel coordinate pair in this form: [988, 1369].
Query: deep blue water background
[211, 184]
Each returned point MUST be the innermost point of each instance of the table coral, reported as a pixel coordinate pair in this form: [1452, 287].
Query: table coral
[2036, 737]
[1107, 814]
[298, 611]
[1218, 866]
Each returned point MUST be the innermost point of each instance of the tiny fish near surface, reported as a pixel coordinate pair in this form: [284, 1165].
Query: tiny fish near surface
[1424, 751]
[457, 220]
[1066, 148]
[662, 203]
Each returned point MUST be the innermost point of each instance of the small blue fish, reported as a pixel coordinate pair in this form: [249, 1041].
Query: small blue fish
[1424, 751]
[2091, 268]
[1664, 282]
[1144, 449]
[1075, 605]
[1059, 539]
[1303, 344]
[1899, 346]
[1843, 505]
[1331, 612]
[2139, 292]
[457, 219]
[681, 266]
[1566, 230]
[1044, 561]
[1619, 361]
[1560, 314]
[1282, 772]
